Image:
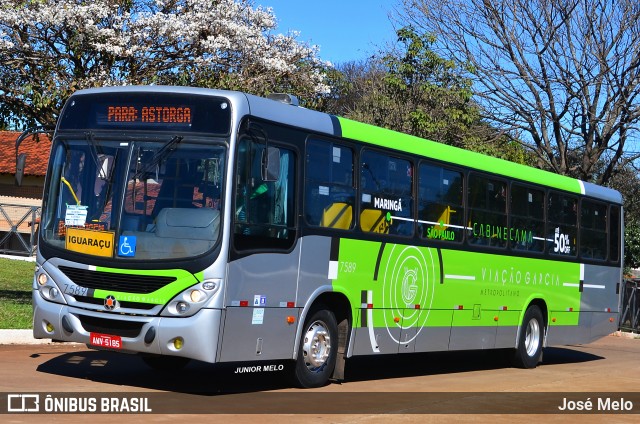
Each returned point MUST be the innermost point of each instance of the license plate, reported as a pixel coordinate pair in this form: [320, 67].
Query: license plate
[106, 340]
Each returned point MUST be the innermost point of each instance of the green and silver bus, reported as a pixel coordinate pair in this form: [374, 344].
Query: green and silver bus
[183, 223]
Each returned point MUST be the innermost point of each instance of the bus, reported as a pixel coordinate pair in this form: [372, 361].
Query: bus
[199, 224]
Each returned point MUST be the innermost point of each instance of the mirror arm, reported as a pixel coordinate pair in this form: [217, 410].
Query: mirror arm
[21, 158]
[255, 131]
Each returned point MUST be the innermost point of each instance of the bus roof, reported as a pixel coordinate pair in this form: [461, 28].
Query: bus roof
[454, 155]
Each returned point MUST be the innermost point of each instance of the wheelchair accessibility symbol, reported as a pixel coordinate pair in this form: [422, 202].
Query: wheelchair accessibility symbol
[127, 246]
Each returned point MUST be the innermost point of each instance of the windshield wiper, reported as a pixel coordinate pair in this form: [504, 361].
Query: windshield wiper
[102, 174]
[159, 156]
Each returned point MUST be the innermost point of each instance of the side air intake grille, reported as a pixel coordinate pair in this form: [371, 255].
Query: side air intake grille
[127, 283]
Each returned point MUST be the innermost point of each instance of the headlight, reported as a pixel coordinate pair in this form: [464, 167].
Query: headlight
[196, 296]
[47, 288]
[182, 307]
[192, 299]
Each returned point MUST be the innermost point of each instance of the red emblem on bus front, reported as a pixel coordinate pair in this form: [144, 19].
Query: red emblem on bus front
[110, 302]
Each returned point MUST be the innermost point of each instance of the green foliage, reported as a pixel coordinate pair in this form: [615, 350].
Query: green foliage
[413, 90]
[417, 92]
[626, 181]
[16, 277]
[631, 245]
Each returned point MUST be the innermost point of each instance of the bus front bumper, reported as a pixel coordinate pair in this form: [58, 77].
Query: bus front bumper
[192, 337]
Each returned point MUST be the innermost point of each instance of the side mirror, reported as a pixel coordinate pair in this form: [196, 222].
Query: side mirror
[271, 164]
[21, 161]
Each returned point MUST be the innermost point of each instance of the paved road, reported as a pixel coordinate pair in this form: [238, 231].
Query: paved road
[463, 385]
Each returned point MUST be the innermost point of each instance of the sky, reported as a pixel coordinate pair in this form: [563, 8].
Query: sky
[346, 30]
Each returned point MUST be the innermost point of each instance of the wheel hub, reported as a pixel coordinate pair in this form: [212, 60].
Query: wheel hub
[317, 346]
[532, 338]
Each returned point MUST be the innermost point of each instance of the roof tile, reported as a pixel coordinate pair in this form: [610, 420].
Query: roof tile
[37, 153]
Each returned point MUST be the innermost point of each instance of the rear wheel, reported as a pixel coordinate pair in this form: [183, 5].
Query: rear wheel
[529, 350]
[318, 348]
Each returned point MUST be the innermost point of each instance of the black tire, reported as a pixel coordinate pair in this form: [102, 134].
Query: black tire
[529, 350]
[317, 350]
[165, 363]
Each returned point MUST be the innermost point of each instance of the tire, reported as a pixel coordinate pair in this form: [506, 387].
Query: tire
[165, 363]
[529, 351]
[317, 350]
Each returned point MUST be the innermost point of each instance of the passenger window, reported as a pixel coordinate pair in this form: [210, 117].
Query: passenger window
[487, 224]
[593, 230]
[440, 206]
[330, 195]
[562, 215]
[387, 201]
[526, 231]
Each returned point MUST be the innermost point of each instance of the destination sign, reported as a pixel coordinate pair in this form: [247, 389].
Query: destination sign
[155, 111]
[90, 242]
[148, 114]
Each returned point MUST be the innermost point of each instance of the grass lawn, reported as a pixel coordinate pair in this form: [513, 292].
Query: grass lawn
[16, 277]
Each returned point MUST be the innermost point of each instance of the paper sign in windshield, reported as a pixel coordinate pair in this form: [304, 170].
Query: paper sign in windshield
[76, 215]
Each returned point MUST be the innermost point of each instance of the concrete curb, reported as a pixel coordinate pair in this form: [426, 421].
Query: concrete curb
[626, 335]
[19, 258]
[20, 337]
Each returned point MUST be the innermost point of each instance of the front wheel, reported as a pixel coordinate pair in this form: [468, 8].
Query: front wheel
[529, 350]
[318, 349]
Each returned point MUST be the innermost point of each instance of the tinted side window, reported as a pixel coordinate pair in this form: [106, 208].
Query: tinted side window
[487, 211]
[526, 231]
[330, 196]
[440, 204]
[614, 233]
[264, 210]
[562, 215]
[593, 230]
[386, 202]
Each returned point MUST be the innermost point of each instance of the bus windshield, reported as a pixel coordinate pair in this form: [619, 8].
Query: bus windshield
[149, 199]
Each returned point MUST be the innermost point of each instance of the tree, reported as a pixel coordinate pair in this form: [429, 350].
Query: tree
[413, 90]
[562, 75]
[627, 182]
[50, 48]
